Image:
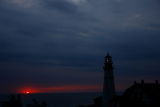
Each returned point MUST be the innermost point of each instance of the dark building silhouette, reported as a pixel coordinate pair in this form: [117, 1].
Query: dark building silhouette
[141, 95]
[137, 95]
[108, 85]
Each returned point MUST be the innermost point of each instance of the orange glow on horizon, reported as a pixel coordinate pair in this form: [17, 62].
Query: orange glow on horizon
[61, 89]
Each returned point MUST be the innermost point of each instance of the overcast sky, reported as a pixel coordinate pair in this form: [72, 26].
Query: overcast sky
[56, 43]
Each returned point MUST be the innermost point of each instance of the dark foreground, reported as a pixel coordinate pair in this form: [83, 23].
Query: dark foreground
[55, 100]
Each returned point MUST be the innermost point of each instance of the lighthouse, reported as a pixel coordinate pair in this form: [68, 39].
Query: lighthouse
[108, 85]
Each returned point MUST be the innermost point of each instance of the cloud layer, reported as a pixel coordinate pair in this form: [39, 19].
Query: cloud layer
[43, 37]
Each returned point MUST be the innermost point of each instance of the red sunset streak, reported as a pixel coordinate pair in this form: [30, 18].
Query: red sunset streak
[61, 89]
[72, 88]
[28, 91]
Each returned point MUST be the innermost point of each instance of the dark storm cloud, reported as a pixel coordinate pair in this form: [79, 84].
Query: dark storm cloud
[73, 36]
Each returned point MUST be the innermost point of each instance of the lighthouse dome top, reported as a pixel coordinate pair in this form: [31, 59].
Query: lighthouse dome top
[108, 62]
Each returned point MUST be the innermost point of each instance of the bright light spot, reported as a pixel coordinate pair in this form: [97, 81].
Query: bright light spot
[27, 92]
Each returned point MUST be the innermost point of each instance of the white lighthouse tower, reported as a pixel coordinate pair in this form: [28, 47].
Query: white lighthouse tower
[108, 86]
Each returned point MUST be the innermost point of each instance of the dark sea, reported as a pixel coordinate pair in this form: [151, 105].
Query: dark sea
[57, 99]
